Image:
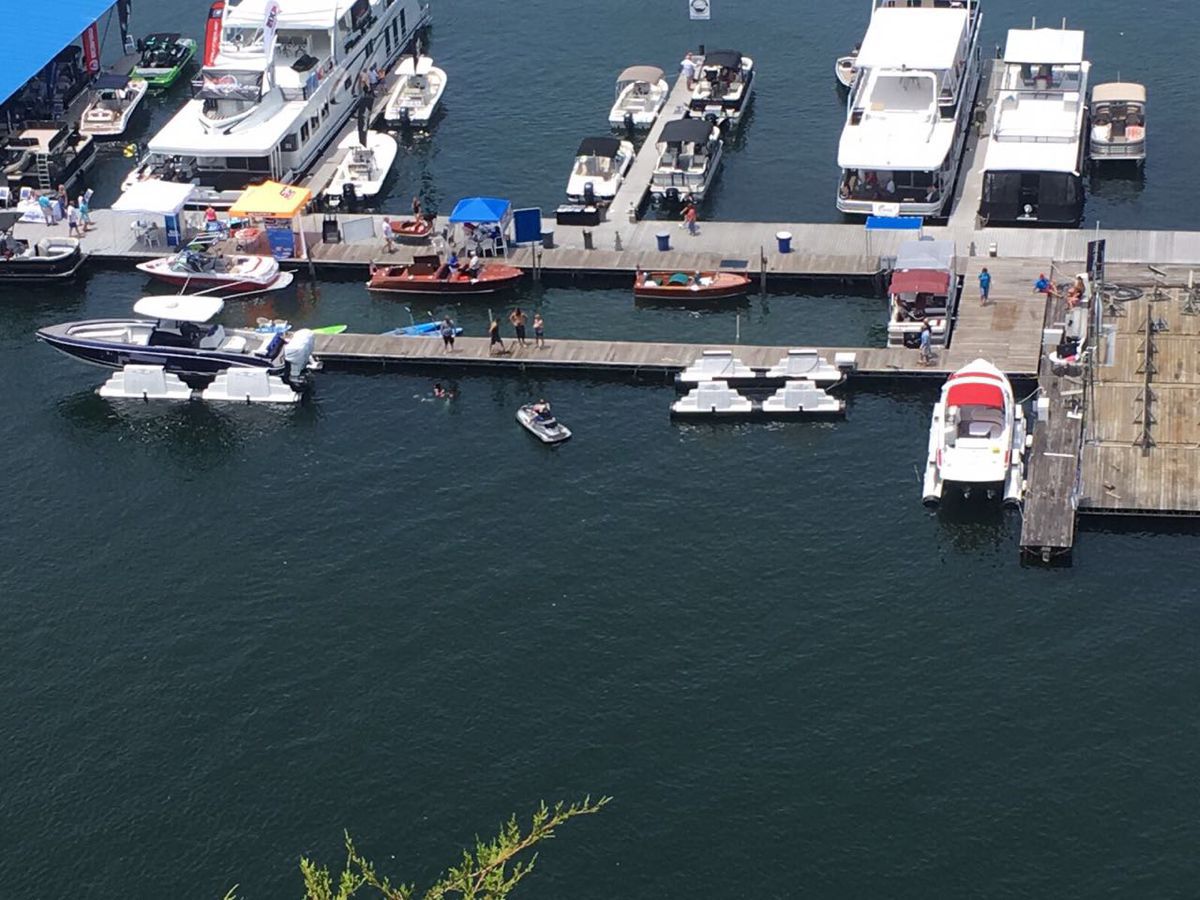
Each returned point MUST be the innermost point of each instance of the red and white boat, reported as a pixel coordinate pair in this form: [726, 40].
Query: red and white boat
[412, 231]
[977, 436]
[689, 286]
[428, 275]
[238, 273]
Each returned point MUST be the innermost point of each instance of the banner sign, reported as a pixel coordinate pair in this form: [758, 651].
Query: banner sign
[91, 49]
[269, 25]
[527, 226]
[220, 84]
[700, 10]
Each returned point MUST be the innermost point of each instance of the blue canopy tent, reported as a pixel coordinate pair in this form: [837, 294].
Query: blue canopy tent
[491, 218]
[44, 30]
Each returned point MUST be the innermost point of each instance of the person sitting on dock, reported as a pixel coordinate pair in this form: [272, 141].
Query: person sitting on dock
[1043, 285]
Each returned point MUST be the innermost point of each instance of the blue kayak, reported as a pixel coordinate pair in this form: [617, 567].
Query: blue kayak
[425, 329]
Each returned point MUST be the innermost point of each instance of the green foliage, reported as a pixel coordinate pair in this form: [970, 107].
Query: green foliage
[489, 872]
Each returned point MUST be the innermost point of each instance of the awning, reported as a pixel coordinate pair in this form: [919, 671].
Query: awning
[271, 200]
[975, 394]
[38, 33]
[154, 198]
[920, 281]
[480, 209]
[179, 307]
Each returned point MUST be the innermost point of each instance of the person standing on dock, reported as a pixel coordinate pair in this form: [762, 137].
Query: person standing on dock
[446, 329]
[926, 344]
[85, 210]
[73, 221]
[416, 208]
[47, 208]
[689, 219]
[517, 317]
[389, 237]
[494, 337]
[688, 67]
[539, 331]
[985, 285]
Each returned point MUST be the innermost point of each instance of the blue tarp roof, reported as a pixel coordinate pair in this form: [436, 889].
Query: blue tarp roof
[480, 209]
[44, 29]
[893, 223]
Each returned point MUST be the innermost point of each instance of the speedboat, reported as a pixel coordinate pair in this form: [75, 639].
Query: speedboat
[977, 435]
[542, 425]
[641, 93]
[418, 90]
[693, 286]
[724, 86]
[163, 59]
[47, 258]
[193, 270]
[845, 69]
[689, 154]
[113, 102]
[600, 167]
[922, 291]
[363, 167]
[175, 332]
[428, 275]
[1118, 113]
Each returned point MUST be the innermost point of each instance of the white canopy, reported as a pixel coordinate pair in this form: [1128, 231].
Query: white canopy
[1044, 46]
[153, 197]
[179, 307]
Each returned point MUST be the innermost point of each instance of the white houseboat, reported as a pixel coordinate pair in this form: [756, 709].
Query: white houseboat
[909, 108]
[284, 81]
[1033, 168]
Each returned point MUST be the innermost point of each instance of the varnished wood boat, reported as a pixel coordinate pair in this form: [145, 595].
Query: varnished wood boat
[694, 285]
[428, 275]
[412, 231]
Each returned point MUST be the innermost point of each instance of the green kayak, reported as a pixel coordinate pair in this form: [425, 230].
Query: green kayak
[330, 329]
[163, 59]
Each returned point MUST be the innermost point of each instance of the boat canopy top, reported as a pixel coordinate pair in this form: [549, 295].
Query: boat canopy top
[423, 66]
[686, 131]
[607, 147]
[1119, 91]
[648, 74]
[179, 307]
[975, 393]
[1043, 46]
[726, 59]
[110, 81]
[920, 281]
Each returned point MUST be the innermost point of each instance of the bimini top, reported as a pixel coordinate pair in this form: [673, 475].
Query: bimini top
[726, 59]
[648, 74]
[110, 81]
[920, 281]
[179, 307]
[918, 38]
[480, 209]
[975, 393]
[1043, 46]
[1116, 91]
[687, 131]
[607, 147]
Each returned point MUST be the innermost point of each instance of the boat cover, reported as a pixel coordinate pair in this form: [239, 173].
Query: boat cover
[975, 394]
[693, 131]
[920, 281]
[607, 147]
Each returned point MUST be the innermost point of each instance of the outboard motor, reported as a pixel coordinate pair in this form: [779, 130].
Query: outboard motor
[349, 194]
[672, 195]
[629, 122]
[589, 193]
[405, 118]
[296, 353]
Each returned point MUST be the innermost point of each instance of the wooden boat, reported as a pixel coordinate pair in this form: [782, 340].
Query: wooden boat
[696, 286]
[428, 275]
[412, 231]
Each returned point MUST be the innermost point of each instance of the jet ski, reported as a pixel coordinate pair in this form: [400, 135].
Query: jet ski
[543, 426]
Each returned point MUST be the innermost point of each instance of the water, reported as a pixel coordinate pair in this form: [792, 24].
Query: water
[231, 632]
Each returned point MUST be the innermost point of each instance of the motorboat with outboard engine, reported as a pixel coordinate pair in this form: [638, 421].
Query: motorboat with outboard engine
[163, 59]
[977, 435]
[194, 271]
[689, 155]
[428, 275]
[177, 333]
[600, 167]
[845, 68]
[724, 86]
[46, 258]
[114, 100]
[642, 92]
[363, 166]
[538, 420]
[689, 286]
[419, 88]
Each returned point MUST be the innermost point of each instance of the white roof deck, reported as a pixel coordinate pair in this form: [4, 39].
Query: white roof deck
[900, 129]
[1044, 46]
[293, 14]
[1038, 131]
[185, 136]
[917, 38]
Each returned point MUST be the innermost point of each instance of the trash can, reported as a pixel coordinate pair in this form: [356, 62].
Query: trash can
[587, 240]
[548, 239]
[784, 239]
[664, 240]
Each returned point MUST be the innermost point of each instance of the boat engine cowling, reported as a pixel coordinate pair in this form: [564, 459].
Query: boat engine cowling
[350, 194]
[589, 193]
[297, 353]
[629, 125]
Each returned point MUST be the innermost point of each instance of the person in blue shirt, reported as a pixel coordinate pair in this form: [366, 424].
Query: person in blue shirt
[985, 285]
[1042, 285]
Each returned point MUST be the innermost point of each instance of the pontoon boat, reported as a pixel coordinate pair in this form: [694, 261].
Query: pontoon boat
[689, 154]
[724, 86]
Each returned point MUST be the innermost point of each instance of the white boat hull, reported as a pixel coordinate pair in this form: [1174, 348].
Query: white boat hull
[101, 120]
[411, 103]
[642, 109]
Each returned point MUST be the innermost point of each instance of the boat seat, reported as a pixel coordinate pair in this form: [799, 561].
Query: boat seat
[235, 343]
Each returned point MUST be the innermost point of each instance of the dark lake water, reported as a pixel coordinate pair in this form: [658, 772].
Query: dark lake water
[230, 633]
